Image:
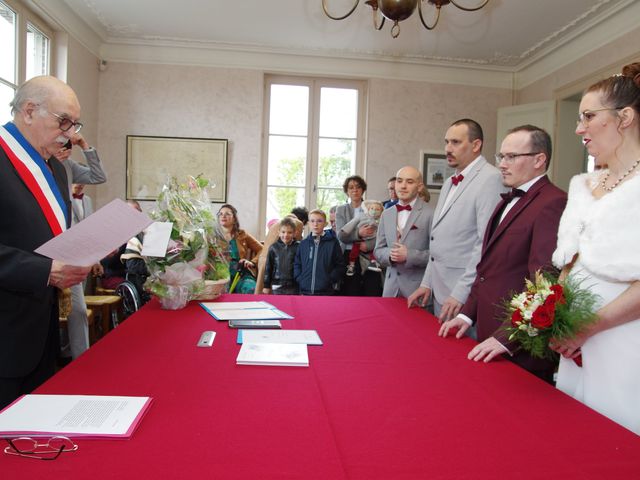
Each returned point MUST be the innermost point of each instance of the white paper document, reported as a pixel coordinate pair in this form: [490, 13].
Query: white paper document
[96, 236]
[307, 337]
[211, 306]
[273, 354]
[156, 239]
[73, 415]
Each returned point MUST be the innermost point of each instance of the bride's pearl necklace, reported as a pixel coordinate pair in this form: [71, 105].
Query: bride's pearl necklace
[620, 178]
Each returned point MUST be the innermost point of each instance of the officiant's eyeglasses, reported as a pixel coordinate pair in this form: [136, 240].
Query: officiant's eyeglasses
[40, 449]
[65, 123]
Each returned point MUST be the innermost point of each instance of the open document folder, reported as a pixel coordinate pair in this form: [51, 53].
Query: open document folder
[92, 416]
[92, 239]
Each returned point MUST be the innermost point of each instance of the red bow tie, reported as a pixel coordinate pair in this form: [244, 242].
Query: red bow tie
[403, 207]
[456, 179]
[78, 195]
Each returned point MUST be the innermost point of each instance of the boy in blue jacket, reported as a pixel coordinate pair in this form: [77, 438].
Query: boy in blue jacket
[319, 263]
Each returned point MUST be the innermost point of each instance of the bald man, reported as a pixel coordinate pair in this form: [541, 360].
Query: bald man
[34, 199]
[402, 244]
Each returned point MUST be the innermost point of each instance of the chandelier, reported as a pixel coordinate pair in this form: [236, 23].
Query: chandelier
[398, 10]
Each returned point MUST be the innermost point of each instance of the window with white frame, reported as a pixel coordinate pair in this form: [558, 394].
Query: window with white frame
[314, 141]
[26, 51]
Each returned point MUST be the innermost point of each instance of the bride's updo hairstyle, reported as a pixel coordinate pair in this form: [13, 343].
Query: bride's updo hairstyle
[622, 90]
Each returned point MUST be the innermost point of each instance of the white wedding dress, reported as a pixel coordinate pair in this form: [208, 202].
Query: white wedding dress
[606, 234]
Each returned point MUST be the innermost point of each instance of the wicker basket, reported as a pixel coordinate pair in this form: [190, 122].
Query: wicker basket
[213, 289]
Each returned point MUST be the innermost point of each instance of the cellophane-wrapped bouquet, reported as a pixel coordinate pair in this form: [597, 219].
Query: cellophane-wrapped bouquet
[196, 250]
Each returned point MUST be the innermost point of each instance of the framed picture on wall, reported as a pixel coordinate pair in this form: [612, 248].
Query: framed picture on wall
[152, 160]
[435, 169]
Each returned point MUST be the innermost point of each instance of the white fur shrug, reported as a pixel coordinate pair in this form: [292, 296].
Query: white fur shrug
[605, 231]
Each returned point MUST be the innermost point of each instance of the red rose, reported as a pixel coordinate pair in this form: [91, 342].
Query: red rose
[542, 317]
[558, 292]
[516, 318]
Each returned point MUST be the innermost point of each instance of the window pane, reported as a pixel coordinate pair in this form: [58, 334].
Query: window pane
[8, 42]
[337, 161]
[289, 110]
[6, 95]
[280, 201]
[338, 112]
[287, 158]
[37, 52]
[329, 197]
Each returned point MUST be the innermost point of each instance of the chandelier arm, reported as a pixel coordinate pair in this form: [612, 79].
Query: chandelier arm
[375, 25]
[422, 18]
[326, 12]
[468, 9]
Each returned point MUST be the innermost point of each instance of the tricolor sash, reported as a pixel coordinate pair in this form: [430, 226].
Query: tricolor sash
[35, 174]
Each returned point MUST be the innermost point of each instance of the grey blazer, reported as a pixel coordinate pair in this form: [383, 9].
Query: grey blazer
[344, 214]
[457, 232]
[402, 279]
[90, 174]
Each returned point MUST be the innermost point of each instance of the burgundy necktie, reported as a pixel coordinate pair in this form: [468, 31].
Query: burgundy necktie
[78, 195]
[403, 207]
[456, 179]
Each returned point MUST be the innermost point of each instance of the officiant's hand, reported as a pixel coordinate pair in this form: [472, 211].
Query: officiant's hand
[64, 276]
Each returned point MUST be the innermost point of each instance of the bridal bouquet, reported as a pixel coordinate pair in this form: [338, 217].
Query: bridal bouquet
[196, 254]
[548, 309]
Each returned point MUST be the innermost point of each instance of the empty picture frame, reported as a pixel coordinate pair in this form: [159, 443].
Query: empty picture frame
[152, 160]
[435, 169]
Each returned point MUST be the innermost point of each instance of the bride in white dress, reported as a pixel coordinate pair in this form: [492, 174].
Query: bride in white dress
[599, 242]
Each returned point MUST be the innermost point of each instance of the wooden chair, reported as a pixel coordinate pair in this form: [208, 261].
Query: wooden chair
[108, 307]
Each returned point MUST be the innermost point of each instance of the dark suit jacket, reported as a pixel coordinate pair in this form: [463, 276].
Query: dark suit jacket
[26, 302]
[522, 243]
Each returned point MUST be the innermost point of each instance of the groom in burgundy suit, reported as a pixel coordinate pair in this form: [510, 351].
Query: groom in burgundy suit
[520, 239]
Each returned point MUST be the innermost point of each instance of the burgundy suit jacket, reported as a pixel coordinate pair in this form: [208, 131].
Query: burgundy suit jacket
[521, 244]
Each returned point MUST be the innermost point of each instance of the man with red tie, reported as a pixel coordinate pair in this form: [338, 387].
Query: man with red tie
[519, 239]
[402, 241]
[464, 206]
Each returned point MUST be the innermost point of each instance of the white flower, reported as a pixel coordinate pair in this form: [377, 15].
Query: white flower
[532, 331]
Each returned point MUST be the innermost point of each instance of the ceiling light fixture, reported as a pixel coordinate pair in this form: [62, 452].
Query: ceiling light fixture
[398, 10]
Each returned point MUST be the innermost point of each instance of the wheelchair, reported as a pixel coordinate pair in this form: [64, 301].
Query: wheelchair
[131, 301]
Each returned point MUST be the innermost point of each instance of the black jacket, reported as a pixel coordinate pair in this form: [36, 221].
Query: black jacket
[279, 267]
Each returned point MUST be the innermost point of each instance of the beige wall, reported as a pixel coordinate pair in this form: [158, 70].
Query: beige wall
[175, 101]
[577, 75]
[403, 118]
[406, 117]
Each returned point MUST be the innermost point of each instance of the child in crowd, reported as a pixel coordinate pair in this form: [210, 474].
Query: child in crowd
[319, 264]
[372, 211]
[278, 274]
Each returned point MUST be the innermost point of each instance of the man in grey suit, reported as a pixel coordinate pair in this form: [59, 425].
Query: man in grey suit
[466, 202]
[402, 242]
[89, 174]
[77, 321]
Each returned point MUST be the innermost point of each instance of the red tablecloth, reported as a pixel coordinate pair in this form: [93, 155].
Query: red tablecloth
[385, 398]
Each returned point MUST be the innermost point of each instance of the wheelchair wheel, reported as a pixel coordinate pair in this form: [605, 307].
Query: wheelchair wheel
[130, 298]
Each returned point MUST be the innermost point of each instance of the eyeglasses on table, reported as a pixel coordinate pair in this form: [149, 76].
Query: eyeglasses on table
[41, 448]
